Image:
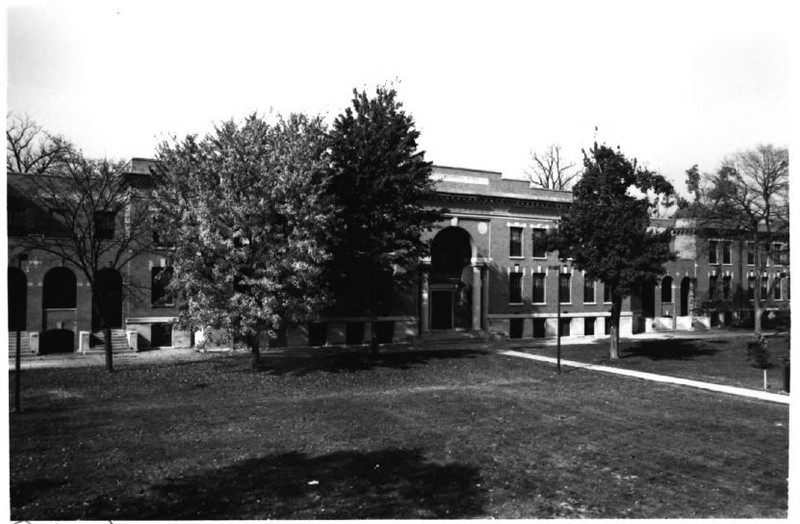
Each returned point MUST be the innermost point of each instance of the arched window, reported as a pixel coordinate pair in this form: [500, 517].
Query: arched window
[666, 290]
[59, 289]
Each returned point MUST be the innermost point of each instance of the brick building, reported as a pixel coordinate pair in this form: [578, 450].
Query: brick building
[489, 273]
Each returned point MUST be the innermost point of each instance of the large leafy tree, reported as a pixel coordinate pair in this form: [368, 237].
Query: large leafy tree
[607, 230]
[245, 210]
[746, 199]
[379, 182]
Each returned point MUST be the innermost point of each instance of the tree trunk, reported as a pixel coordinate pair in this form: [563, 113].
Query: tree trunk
[255, 351]
[616, 308]
[757, 312]
[109, 348]
[373, 299]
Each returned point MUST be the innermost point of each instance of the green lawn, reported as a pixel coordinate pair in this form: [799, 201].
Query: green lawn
[406, 435]
[720, 360]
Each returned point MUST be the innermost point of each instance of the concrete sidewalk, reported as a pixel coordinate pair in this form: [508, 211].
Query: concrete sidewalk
[77, 360]
[742, 392]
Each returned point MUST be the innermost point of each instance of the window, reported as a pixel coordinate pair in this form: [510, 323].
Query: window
[539, 242]
[726, 252]
[563, 326]
[515, 247]
[104, 224]
[751, 286]
[539, 330]
[564, 295]
[764, 288]
[606, 293]
[16, 220]
[538, 288]
[160, 295]
[588, 326]
[777, 255]
[726, 287]
[666, 290]
[712, 251]
[158, 229]
[515, 288]
[751, 254]
[588, 291]
[712, 287]
[516, 326]
[160, 335]
[777, 291]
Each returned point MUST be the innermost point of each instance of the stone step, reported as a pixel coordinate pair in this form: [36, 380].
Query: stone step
[119, 342]
[24, 346]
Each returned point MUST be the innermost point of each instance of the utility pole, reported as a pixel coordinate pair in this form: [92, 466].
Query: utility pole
[557, 269]
[18, 353]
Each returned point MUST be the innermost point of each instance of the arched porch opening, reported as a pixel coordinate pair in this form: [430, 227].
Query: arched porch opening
[451, 280]
[59, 304]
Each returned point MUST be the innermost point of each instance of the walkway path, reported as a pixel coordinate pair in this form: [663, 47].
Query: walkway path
[744, 392]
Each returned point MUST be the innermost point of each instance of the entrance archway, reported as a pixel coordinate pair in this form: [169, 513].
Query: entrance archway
[107, 299]
[17, 299]
[59, 301]
[451, 280]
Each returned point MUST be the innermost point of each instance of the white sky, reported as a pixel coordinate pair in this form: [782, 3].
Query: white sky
[673, 83]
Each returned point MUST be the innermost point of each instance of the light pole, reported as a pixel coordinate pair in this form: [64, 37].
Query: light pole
[557, 268]
[558, 329]
[17, 355]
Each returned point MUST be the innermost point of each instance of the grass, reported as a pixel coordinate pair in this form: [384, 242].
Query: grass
[458, 434]
[719, 360]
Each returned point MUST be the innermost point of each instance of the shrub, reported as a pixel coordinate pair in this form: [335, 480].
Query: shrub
[757, 352]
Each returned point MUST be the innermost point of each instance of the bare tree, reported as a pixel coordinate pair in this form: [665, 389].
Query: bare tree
[549, 170]
[748, 198]
[31, 149]
[95, 221]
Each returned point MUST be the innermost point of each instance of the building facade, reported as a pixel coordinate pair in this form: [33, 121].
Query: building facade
[489, 274]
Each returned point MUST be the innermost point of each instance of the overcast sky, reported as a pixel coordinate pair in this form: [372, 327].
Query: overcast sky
[673, 83]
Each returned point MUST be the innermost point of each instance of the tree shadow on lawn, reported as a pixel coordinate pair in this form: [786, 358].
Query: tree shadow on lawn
[348, 362]
[671, 349]
[385, 484]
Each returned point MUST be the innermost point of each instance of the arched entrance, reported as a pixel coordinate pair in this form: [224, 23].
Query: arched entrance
[686, 284]
[59, 302]
[451, 280]
[107, 297]
[17, 300]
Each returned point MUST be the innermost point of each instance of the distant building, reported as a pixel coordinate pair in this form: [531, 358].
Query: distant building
[489, 273]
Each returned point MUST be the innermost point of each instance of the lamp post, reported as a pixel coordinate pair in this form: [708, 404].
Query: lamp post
[17, 355]
[557, 268]
[558, 330]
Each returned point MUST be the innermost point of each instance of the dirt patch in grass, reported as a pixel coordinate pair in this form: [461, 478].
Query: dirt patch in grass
[457, 435]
